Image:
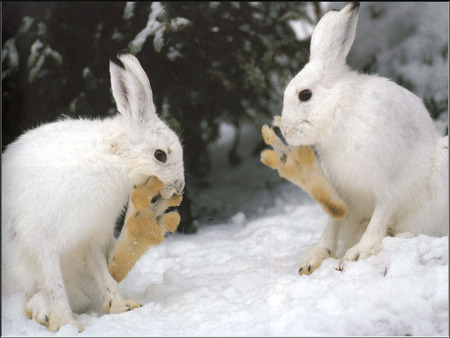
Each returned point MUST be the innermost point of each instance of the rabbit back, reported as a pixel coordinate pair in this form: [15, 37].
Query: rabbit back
[69, 174]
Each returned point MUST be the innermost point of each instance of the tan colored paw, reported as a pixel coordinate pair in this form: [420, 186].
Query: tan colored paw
[276, 121]
[142, 195]
[270, 158]
[140, 198]
[170, 221]
[269, 135]
[144, 226]
[163, 204]
[175, 200]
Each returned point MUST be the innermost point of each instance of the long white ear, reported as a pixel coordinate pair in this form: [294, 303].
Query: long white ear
[334, 34]
[131, 89]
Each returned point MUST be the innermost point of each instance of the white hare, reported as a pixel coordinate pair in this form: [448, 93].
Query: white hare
[63, 186]
[376, 142]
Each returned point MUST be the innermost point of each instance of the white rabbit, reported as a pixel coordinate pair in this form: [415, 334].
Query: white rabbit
[63, 186]
[376, 142]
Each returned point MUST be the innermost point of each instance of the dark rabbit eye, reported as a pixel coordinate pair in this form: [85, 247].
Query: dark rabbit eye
[160, 156]
[305, 95]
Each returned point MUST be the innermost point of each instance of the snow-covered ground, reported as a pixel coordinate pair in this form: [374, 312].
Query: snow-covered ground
[238, 276]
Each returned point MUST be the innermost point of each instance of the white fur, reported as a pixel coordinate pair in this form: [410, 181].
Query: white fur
[63, 186]
[376, 142]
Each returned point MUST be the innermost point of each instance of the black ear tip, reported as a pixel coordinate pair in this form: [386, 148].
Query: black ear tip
[355, 5]
[123, 52]
[116, 59]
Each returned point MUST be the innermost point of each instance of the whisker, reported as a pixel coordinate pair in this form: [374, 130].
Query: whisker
[192, 177]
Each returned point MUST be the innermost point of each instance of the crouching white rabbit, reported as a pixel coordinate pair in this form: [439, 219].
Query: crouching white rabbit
[63, 186]
[376, 142]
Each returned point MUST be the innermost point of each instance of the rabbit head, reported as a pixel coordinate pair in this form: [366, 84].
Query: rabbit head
[149, 147]
[310, 98]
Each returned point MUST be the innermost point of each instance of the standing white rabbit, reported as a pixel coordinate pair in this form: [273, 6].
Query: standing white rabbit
[63, 186]
[376, 142]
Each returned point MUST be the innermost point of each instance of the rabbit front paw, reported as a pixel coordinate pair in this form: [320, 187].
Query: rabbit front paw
[362, 250]
[313, 258]
[145, 195]
[119, 306]
[170, 221]
[275, 158]
[150, 217]
[271, 159]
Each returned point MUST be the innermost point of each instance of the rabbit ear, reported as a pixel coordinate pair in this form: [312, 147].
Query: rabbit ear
[131, 89]
[334, 34]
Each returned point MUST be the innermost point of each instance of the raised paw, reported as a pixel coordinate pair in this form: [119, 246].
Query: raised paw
[313, 258]
[170, 221]
[271, 139]
[119, 306]
[175, 200]
[276, 121]
[164, 204]
[143, 225]
[361, 251]
[143, 196]
[271, 158]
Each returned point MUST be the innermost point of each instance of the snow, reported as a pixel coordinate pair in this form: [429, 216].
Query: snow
[128, 11]
[179, 23]
[153, 27]
[238, 276]
[9, 54]
[38, 55]
[414, 49]
[156, 27]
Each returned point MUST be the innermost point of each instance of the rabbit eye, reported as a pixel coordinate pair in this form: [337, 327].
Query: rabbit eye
[160, 156]
[305, 95]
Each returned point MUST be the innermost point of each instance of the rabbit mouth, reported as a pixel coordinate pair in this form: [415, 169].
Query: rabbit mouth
[167, 193]
[296, 136]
